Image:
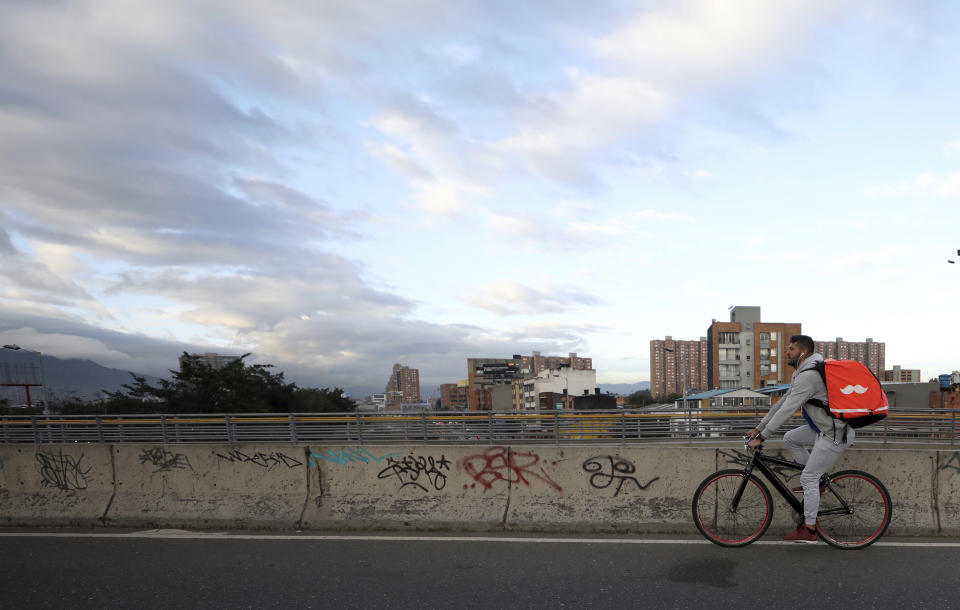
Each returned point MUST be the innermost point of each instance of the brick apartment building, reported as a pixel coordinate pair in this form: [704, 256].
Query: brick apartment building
[747, 352]
[404, 382]
[676, 365]
[454, 396]
[870, 353]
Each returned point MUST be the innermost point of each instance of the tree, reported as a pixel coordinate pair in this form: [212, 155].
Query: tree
[234, 388]
[313, 400]
[643, 398]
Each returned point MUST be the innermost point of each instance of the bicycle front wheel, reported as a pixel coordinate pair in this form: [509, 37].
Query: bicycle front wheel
[722, 523]
[855, 512]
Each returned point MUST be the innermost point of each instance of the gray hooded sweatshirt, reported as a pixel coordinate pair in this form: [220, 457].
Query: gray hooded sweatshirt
[805, 384]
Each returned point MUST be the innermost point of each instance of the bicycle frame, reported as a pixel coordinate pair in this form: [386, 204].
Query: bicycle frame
[762, 463]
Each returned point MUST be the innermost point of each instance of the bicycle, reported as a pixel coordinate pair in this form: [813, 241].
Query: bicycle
[733, 508]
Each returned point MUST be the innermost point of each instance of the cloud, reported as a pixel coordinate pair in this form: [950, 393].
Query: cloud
[928, 185]
[507, 297]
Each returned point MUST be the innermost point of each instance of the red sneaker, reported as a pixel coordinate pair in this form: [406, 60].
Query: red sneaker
[802, 534]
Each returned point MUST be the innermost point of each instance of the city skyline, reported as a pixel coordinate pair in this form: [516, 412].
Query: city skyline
[336, 187]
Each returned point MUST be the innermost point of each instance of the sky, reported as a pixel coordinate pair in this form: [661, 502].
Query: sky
[337, 186]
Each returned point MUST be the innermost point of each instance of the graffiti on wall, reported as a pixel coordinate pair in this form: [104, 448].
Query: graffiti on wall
[349, 455]
[502, 464]
[607, 469]
[64, 472]
[261, 459]
[953, 463]
[422, 471]
[1, 462]
[164, 460]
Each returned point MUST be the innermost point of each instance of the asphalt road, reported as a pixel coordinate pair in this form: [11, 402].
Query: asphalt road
[183, 570]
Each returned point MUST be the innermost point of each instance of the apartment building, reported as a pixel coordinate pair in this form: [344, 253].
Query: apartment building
[870, 353]
[563, 384]
[405, 381]
[454, 396]
[678, 365]
[536, 363]
[484, 374]
[901, 375]
[747, 352]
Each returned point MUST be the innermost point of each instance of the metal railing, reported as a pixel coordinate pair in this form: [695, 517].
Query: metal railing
[905, 426]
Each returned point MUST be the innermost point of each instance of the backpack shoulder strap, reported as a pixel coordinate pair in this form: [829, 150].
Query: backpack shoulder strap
[820, 367]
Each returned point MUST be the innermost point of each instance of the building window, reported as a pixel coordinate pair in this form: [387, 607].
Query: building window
[764, 353]
[728, 353]
[765, 337]
[730, 338]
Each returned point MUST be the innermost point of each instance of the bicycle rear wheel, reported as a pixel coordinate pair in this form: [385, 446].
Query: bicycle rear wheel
[869, 515]
[719, 522]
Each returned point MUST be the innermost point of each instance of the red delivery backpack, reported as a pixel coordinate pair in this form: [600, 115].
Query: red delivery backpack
[854, 394]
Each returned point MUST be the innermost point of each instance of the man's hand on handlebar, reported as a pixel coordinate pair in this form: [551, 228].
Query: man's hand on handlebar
[756, 439]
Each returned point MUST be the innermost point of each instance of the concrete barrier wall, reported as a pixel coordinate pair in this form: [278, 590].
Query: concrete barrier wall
[62, 485]
[208, 486]
[528, 488]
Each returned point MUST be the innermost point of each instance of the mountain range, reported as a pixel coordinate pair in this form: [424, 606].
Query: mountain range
[63, 378]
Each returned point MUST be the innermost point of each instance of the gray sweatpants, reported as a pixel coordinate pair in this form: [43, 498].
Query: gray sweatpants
[825, 453]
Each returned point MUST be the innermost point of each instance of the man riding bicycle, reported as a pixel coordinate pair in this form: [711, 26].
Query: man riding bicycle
[828, 437]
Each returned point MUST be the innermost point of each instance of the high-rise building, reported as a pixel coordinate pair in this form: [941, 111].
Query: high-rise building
[748, 353]
[485, 373]
[870, 353]
[677, 365]
[406, 381]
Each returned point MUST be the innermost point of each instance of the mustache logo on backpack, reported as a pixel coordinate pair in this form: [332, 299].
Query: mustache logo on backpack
[850, 389]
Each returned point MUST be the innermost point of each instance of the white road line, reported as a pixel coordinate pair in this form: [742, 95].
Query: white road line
[177, 534]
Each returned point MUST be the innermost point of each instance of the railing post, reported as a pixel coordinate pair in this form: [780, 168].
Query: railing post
[885, 437]
[293, 428]
[36, 430]
[359, 429]
[489, 427]
[100, 429]
[953, 426]
[556, 428]
[228, 420]
[423, 423]
[163, 428]
[623, 428]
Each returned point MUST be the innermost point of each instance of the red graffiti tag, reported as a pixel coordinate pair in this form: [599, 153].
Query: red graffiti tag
[501, 464]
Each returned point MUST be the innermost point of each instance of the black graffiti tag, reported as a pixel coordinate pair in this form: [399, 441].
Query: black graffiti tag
[606, 469]
[263, 460]
[62, 471]
[164, 460]
[419, 471]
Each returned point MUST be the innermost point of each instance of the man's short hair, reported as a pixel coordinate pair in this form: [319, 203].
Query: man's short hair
[804, 341]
